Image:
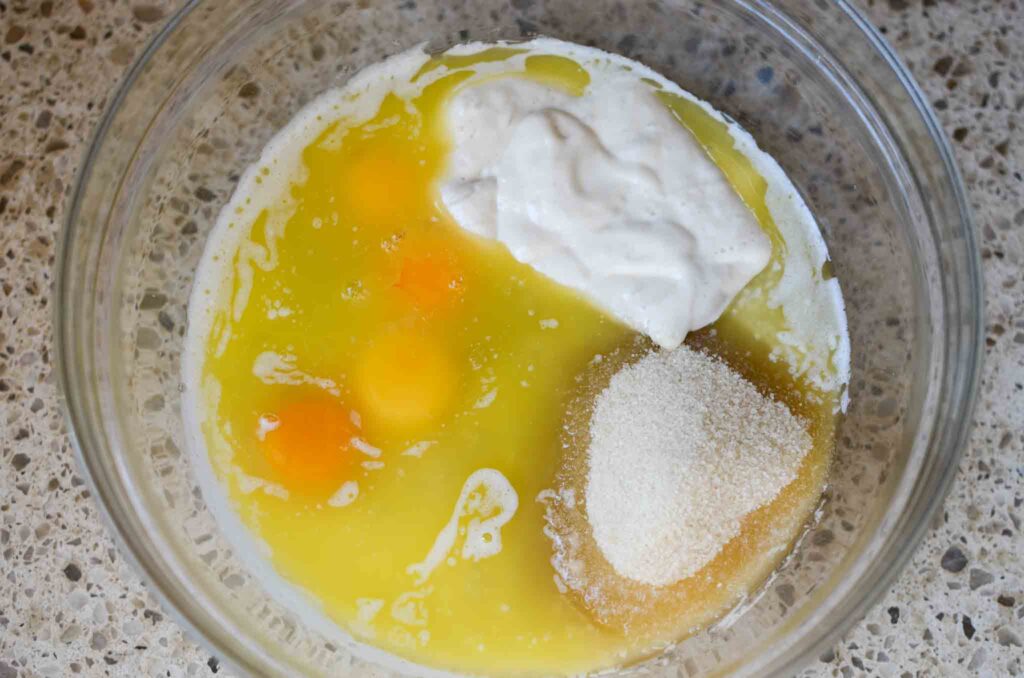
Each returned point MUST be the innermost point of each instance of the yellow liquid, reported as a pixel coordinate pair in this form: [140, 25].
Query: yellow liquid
[365, 206]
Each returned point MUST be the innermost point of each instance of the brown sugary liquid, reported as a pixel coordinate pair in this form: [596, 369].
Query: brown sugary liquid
[669, 613]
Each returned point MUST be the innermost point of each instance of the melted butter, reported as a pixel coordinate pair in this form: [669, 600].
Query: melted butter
[513, 344]
[558, 71]
[456, 61]
[748, 311]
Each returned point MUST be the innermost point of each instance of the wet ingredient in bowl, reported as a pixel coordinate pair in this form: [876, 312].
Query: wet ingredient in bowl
[377, 394]
[618, 202]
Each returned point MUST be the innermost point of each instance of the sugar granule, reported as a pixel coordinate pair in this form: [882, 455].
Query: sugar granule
[681, 449]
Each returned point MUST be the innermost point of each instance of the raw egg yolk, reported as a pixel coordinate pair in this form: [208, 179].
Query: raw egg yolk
[386, 187]
[406, 380]
[432, 281]
[307, 444]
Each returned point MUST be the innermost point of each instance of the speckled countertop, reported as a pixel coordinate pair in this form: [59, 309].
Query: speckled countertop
[69, 603]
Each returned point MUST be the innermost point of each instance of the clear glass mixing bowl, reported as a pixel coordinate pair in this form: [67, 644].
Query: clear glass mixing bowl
[816, 86]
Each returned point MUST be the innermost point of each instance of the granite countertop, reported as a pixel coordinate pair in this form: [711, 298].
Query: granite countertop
[70, 604]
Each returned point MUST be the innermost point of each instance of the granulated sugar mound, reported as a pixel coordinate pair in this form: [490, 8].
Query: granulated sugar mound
[681, 449]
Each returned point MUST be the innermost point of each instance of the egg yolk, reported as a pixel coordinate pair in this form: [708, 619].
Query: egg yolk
[431, 282]
[384, 185]
[307, 444]
[406, 380]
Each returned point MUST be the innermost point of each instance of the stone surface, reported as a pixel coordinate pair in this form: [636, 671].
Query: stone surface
[70, 604]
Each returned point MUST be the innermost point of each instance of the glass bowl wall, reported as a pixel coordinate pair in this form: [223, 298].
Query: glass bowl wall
[811, 81]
